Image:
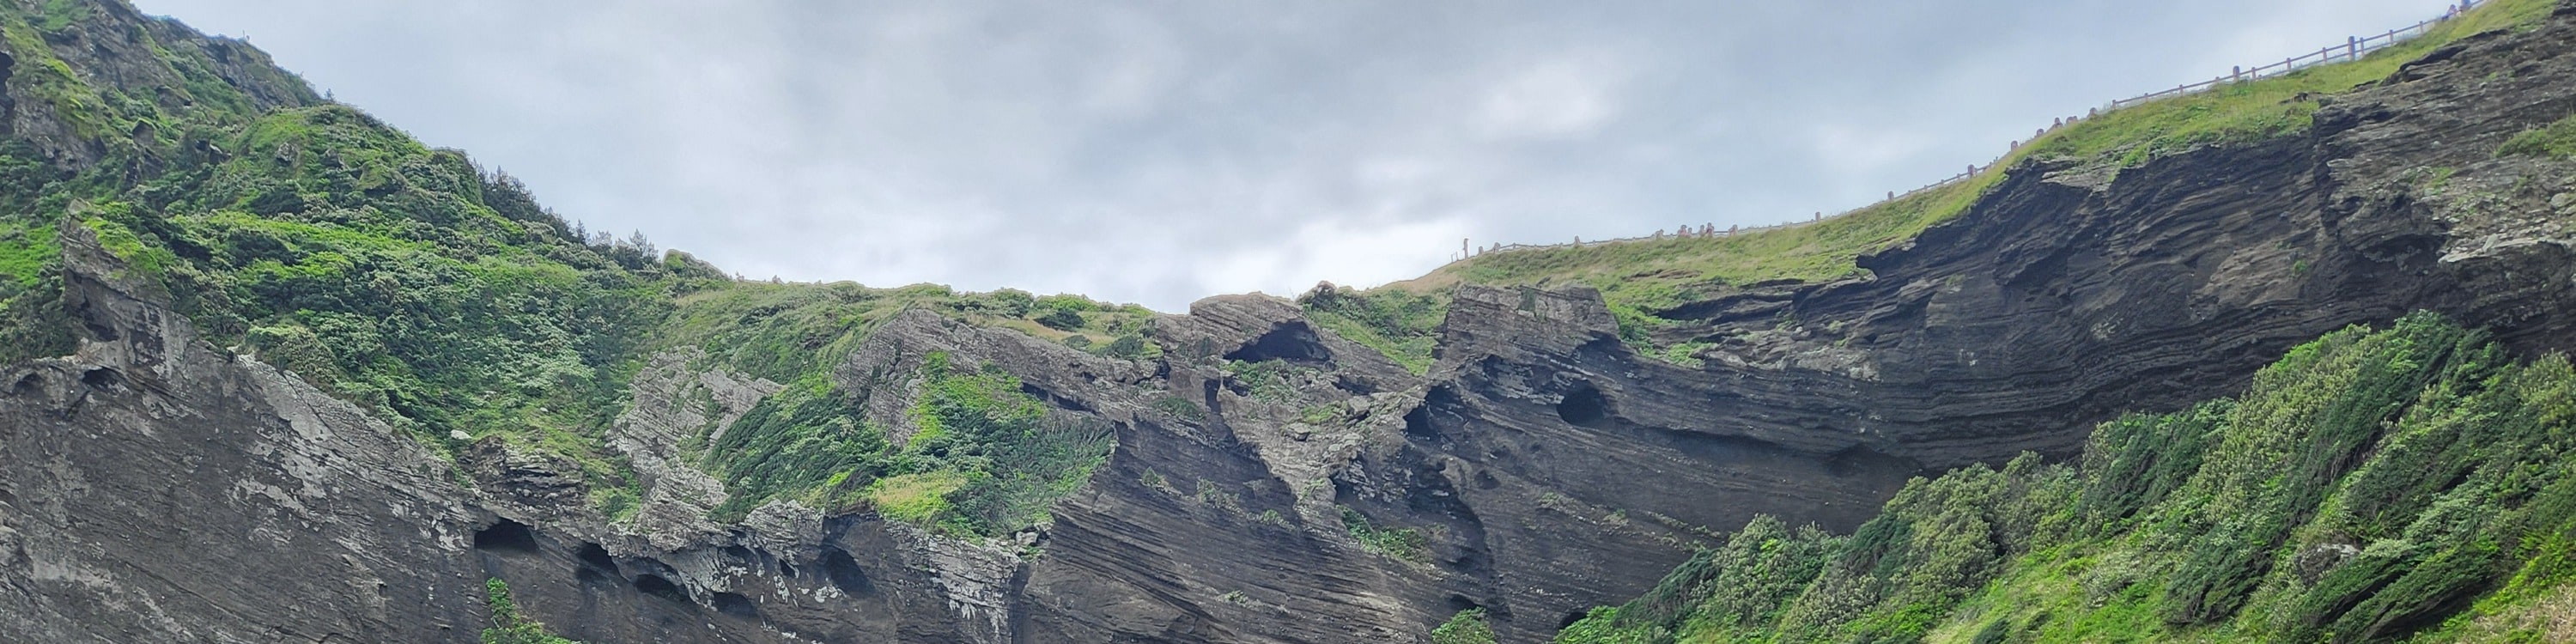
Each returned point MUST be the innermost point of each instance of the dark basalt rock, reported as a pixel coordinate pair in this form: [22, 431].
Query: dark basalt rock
[154, 489]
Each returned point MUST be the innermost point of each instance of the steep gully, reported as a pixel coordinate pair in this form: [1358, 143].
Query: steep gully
[158, 490]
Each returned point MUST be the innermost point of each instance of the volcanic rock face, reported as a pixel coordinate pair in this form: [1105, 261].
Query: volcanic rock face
[155, 489]
[158, 491]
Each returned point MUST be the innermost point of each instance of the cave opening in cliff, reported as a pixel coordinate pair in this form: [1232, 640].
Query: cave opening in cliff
[1417, 424]
[1584, 406]
[101, 332]
[655, 585]
[845, 573]
[597, 557]
[737, 605]
[506, 536]
[1569, 620]
[1293, 342]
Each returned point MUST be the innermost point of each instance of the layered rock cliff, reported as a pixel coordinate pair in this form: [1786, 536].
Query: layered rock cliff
[1271, 481]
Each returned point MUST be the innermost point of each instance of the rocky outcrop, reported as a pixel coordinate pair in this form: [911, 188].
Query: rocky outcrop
[1273, 482]
[160, 491]
[2067, 295]
[672, 403]
[1204, 525]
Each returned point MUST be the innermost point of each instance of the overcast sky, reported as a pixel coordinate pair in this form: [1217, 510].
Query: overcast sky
[1158, 152]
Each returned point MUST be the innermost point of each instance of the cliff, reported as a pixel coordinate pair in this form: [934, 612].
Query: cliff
[645, 451]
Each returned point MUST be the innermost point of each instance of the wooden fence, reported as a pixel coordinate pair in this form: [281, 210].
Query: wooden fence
[2353, 49]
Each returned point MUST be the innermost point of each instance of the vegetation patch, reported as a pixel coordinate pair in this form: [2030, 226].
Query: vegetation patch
[1274, 381]
[1400, 324]
[1465, 627]
[1010, 460]
[920, 499]
[985, 460]
[2270, 107]
[509, 626]
[1403, 544]
[2555, 141]
[808, 442]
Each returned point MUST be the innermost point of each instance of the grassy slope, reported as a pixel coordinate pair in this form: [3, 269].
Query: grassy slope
[404, 279]
[34, 192]
[2407, 483]
[408, 280]
[1643, 278]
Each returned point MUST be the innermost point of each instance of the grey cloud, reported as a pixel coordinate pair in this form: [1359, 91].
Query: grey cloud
[1162, 151]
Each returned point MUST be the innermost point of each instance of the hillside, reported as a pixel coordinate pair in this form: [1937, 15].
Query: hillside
[279, 372]
[1650, 283]
[2370, 486]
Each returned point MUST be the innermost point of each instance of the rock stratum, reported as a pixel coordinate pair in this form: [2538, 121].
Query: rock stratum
[156, 487]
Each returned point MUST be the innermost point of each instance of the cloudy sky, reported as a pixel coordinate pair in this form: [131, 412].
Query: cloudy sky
[1161, 151]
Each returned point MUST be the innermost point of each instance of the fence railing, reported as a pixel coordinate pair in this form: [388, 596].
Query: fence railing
[2352, 49]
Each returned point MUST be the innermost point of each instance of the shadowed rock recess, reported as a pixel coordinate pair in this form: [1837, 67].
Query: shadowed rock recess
[1271, 481]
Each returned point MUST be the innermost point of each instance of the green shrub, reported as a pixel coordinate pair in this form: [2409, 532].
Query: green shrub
[1061, 319]
[1404, 544]
[1465, 627]
[2556, 140]
[1403, 326]
[987, 460]
[810, 441]
[1130, 346]
[509, 626]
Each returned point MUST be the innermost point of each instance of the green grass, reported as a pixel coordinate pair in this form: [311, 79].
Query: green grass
[2555, 141]
[1401, 325]
[509, 626]
[47, 77]
[2271, 107]
[985, 459]
[150, 259]
[60, 14]
[1464, 627]
[1655, 275]
[1402, 544]
[26, 252]
[919, 499]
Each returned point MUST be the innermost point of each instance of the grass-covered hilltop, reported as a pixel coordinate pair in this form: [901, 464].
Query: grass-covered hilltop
[1644, 281]
[410, 281]
[440, 295]
[403, 375]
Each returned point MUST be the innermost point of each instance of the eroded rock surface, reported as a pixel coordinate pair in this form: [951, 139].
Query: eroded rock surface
[158, 490]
